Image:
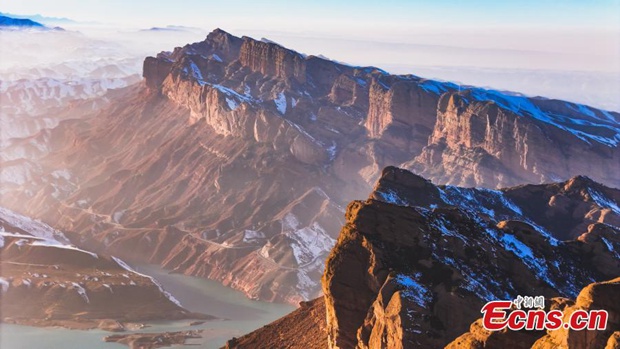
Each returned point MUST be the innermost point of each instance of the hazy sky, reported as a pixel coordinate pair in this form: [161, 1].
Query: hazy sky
[373, 15]
[401, 35]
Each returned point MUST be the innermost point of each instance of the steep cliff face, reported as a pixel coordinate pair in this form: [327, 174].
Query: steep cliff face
[273, 60]
[235, 158]
[414, 252]
[486, 140]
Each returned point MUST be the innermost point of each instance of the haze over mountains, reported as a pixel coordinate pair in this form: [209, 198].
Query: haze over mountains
[235, 158]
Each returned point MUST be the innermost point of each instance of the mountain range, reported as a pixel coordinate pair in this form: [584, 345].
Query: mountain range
[235, 158]
[9, 22]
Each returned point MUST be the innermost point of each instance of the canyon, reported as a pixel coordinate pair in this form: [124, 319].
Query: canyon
[235, 158]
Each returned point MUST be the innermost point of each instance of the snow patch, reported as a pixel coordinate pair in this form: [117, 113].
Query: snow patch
[280, 102]
[232, 104]
[4, 284]
[610, 247]
[81, 291]
[56, 244]
[523, 106]
[603, 201]
[197, 74]
[391, 197]
[414, 290]
[34, 227]
[251, 235]
[310, 243]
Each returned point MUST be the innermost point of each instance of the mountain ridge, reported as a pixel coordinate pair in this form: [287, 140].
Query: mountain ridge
[235, 158]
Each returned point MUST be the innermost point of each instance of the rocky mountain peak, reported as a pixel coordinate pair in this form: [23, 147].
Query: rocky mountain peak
[414, 250]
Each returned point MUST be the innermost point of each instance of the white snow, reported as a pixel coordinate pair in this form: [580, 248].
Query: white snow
[17, 175]
[4, 284]
[610, 247]
[437, 87]
[289, 222]
[280, 102]
[503, 200]
[108, 287]
[197, 74]
[607, 131]
[124, 265]
[34, 227]
[232, 104]
[473, 278]
[117, 216]
[414, 290]
[538, 266]
[81, 291]
[603, 201]
[331, 150]
[391, 197]
[62, 174]
[56, 244]
[310, 243]
[440, 224]
[216, 57]
[251, 235]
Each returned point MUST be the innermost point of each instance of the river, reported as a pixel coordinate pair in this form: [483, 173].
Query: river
[241, 315]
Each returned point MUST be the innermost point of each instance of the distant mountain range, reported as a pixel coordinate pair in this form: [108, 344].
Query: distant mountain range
[44, 20]
[19, 22]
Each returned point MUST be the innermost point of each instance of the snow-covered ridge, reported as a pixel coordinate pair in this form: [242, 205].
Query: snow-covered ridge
[124, 265]
[34, 96]
[608, 129]
[34, 227]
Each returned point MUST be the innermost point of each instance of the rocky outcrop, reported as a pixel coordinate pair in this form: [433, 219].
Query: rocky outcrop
[596, 296]
[303, 328]
[402, 115]
[409, 266]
